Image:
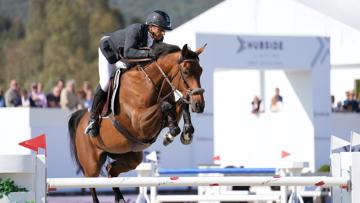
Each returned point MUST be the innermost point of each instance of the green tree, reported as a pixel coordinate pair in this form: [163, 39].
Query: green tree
[12, 32]
[60, 40]
[36, 33]
[75, 28]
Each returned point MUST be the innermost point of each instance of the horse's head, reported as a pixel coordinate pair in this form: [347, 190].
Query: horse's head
[190, 72]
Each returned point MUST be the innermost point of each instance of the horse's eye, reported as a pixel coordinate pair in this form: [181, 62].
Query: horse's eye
[186, 72]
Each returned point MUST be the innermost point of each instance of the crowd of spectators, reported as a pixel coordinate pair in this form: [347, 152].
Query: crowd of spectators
[62, 95]
[350, 104]
[276, 103]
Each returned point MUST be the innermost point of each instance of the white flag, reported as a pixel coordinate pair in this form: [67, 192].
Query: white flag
[152, 157]
[337, 143]
[355, 139]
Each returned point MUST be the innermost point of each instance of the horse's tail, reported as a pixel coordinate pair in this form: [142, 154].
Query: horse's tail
[72, 126]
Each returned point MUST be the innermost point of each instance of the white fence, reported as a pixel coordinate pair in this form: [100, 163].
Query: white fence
[344, 181]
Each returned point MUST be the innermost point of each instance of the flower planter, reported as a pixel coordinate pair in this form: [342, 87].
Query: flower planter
[20, 169]
[19, 197]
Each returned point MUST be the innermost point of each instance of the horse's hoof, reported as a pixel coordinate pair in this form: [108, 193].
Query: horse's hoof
[168, 138]
[186, 138]
[174, 131]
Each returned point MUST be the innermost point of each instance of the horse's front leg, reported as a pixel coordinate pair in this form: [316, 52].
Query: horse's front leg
[169, 112]
[188, 129]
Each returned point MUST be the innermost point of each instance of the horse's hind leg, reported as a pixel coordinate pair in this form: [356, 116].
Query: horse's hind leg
[94, 195]
[123, 163]
[93, 167]
[90, 158]
[119, 198]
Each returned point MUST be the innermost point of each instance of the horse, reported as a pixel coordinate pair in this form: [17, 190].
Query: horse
[146, 99]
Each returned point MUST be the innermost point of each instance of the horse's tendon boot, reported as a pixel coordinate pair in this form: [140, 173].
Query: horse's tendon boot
[173, 125]
[170, 117]
[165, 107]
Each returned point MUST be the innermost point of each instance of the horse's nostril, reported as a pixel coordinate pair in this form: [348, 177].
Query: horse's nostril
[197, 105]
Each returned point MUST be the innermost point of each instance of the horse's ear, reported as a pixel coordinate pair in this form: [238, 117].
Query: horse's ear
[184, 50]
[200, 50]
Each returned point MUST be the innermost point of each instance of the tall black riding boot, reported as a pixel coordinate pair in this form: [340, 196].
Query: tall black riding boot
[98, 103]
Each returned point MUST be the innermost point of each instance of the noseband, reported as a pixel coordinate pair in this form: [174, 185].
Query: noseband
[189, 91]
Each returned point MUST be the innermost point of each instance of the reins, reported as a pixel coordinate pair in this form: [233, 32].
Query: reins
[167, 80]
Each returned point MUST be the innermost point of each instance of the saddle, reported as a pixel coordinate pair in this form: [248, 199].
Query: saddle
[111, 106]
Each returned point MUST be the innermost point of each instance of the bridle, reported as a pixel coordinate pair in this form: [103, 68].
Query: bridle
[169, 81]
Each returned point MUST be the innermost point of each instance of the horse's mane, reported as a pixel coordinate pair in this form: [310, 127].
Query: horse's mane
[161, 49]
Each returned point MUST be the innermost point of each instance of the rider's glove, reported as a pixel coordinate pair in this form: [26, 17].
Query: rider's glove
[151, 54]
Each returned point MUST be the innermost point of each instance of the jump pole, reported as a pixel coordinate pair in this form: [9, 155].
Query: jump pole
[195, 181]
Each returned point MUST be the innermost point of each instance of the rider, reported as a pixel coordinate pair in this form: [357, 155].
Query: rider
[124, 43]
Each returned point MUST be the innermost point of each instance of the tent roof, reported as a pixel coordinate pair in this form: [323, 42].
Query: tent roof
[337, 9]
[272, 17]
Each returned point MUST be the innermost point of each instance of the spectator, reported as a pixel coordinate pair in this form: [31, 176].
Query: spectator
[350, 104]
[339, 107]
[333, 106]
[41, 98]
[60, 84]
[33, 93]
[256, 105]
[2, 98]
[38, 98]
[12, 95]
[89, 94]
[68, 99]
[53, 98]
[276, 101]
[81, 96]
[25, 99]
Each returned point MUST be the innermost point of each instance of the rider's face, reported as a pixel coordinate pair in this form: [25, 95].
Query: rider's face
[157, 32]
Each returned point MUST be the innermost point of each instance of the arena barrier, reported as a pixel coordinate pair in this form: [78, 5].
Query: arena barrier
[254, 193]
[345, 187]
[344, 181]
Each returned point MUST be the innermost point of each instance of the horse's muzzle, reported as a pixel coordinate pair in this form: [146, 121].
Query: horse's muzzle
[197, 100]
[198, 107]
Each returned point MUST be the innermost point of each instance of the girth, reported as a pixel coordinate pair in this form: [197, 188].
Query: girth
[137, 142]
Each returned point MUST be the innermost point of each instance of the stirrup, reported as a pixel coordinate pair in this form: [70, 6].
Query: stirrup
[91, 129]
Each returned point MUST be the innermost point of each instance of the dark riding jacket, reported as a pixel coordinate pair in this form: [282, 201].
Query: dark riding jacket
[126, 43]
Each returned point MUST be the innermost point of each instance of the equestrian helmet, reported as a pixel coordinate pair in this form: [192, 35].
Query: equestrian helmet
[159, 18]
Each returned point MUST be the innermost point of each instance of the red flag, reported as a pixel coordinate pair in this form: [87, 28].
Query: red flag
[284, 154]
[216, 158]
[35, 143]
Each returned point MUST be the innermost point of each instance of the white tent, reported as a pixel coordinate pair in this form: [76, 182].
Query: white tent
[272, 17]
[345, 11]
[287, 18]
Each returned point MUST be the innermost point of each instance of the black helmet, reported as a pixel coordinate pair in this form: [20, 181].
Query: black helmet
[159, 18]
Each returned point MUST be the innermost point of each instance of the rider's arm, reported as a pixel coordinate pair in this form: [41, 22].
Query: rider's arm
[131, 45]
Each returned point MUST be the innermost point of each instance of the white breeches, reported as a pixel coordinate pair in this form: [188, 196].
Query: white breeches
[105, 70]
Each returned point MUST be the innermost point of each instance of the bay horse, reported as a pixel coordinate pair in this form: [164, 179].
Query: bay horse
[146, 98]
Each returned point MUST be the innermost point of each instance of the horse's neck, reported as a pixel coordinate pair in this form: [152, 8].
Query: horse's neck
[136, 82]
[165, 64]
[140, 103]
